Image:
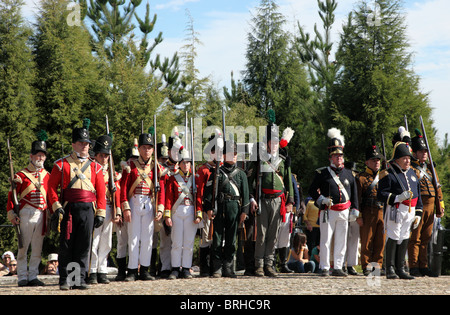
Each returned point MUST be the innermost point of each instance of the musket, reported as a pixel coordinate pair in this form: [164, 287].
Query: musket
[14, 195]
[194, 186]
[436, 185]
[111, 185]
[258, 190]
[155, 175]
[406, 122]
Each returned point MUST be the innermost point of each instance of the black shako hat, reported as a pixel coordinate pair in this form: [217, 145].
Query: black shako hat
[147, 138]
[373, 152]
[103, 144]
[418, 142]
[82, 134]
[39, 145]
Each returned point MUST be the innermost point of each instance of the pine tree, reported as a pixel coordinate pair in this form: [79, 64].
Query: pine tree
[266, 53]
[18, 108]
[69, 84]
[377, 85]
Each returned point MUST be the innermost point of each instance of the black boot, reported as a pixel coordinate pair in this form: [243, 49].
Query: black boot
[102, 278]
[400, 260]
[132, 275]
[144, 274]
[122, 269]
[153, 262]
[227, 269]
[283, 253]
[92, 279]
[204, 264]
[391, 247]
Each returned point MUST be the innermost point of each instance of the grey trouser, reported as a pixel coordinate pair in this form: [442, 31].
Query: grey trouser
[268, 224]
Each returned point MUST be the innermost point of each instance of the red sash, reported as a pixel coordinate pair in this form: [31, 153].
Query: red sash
[283, 201]
[411, 203]
[341, 206]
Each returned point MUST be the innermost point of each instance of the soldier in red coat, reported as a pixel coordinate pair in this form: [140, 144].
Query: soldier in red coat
[137, 197]
[182, 217]
[102, 242]
[32, 187]
[79, 208]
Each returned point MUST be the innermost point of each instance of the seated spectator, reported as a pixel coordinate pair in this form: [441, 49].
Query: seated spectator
[52, 265]
[311, 218]
[315, 257]
[12, 268]
[7, 257]
[299, 259]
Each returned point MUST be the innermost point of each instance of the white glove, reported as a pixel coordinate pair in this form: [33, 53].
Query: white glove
[353, 215]
[416, 221]
[324, 201]
[406, 195]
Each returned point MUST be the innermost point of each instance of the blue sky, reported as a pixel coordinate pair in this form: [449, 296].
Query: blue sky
[222, 26]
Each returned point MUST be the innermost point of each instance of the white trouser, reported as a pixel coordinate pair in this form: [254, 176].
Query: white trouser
[102, 244]
[337, 225]
[284, 235]
[31, 222]
[351, 255]
[183, 236]
[122, 240]
[165, 248]
[140, 232]
[401, 230]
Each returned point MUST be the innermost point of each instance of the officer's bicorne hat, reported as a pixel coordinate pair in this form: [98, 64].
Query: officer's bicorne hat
[103, 144]
[147, 138]
[162, 149]
[402, 135]
[336, 143]
[39, 145]
[418, 142]
[82, 134]
[401, 149]
[373, 152]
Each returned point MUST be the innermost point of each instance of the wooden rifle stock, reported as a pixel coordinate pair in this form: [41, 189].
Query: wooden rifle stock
[14, 196]
[439, 209]
[214, 198]
[111, 184]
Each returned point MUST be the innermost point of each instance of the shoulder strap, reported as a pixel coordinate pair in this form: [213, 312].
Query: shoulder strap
[79, 173]
[339, 183]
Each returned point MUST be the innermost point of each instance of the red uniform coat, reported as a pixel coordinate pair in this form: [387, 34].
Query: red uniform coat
[130, 175]
[117, 178]
[33, 197]
[96, 178]
[201, 178]
[173, 191]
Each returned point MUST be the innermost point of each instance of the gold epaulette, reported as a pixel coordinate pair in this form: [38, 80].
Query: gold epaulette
[383, 174]
[319, 170]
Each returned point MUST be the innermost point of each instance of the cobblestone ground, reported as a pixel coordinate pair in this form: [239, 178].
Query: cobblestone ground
[295, 284]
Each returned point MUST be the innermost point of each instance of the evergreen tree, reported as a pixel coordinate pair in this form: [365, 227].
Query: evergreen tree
[69, 84]
[275, 78]
[266, 53]
[18, 108]
[377, 85]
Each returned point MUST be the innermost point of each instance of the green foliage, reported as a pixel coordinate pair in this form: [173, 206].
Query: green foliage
[376, 86]
[17, 102]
